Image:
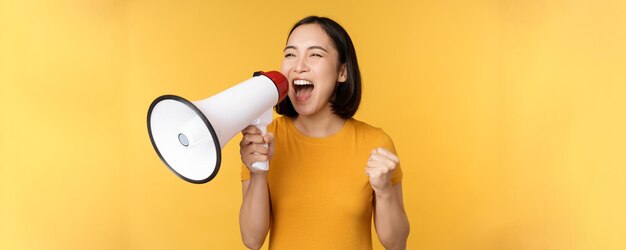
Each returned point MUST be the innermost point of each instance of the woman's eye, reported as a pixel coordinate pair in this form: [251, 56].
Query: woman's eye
[317, 55]
[289, 55]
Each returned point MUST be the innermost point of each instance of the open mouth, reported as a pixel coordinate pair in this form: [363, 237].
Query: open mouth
[303, 88]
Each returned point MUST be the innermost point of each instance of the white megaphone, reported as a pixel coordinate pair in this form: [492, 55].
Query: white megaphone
[189, 136]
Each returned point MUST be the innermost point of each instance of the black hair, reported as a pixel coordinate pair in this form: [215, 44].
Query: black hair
[346, 98]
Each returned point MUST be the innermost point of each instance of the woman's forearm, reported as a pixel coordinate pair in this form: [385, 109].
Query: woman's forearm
[392, 225]
[254, 216]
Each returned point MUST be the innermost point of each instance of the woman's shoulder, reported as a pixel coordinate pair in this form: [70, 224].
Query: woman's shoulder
[362, 127]
[374, 134]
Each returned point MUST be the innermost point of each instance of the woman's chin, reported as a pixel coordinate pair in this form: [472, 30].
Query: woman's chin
[304, 111]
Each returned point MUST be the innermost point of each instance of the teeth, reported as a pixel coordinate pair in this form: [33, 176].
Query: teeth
[302, 82]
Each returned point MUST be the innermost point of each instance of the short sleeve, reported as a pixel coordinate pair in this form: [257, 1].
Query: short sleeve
[387, 144]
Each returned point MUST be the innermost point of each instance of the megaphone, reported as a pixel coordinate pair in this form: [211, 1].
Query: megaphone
[189, 136]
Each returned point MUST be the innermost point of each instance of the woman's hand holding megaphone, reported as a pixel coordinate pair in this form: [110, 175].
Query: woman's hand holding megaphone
[252, 149]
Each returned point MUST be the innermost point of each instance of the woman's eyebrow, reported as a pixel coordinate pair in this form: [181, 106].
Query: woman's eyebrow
[310, 48]
[318, 47]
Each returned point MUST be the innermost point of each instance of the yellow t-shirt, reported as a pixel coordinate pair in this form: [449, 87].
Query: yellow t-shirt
[320, 194]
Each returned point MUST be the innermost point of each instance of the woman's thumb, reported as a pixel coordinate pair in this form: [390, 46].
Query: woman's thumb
[268, 137]
[270, 142]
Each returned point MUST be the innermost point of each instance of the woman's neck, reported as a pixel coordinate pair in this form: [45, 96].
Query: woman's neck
[319, 125]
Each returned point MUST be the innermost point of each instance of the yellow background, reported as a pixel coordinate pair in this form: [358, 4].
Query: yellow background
[509, 117]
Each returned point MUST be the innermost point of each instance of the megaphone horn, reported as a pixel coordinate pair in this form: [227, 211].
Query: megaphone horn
[189, 136]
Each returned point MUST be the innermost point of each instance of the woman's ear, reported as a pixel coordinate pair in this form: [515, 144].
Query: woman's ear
[343, 76]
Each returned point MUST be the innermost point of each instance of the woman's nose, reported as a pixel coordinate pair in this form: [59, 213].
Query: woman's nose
[301, 65]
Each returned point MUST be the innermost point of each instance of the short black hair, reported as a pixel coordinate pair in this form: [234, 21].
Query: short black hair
[346, 98]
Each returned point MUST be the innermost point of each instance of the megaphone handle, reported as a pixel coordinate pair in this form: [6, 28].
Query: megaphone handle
[261, 165]
[261, 123]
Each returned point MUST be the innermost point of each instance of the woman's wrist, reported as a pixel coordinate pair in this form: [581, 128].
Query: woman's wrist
[258, 175]
[384, 193]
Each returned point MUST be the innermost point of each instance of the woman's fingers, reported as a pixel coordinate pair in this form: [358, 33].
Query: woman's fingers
[381, 161]
[252, 145]
[254, 149]
[387, 154]
[251, 129]
[268, 137]
[254, 153]
[372, 172]
[251, 138]
[270, 146]
[380, 167]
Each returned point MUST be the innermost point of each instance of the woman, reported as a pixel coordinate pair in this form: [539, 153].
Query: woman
[329, 173]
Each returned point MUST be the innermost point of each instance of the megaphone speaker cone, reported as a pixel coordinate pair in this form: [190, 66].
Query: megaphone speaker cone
[184, 139]
[189, 136]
